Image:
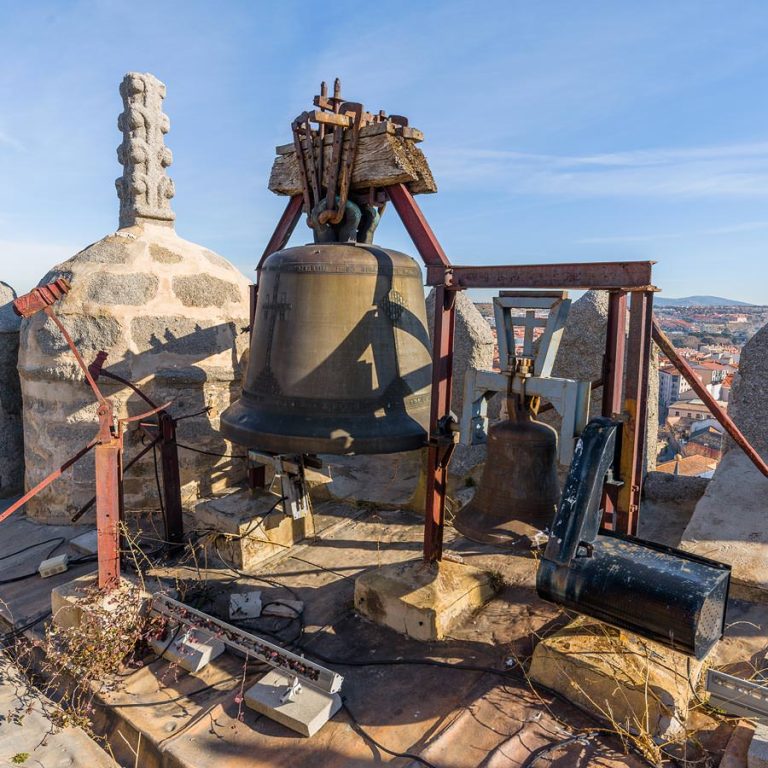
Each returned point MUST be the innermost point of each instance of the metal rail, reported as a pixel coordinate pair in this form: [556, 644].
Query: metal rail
[252, 645]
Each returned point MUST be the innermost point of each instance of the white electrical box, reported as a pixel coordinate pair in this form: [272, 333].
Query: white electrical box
[53, 565]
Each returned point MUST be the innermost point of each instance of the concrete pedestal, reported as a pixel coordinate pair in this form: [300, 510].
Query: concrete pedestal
[421, 600]
[70, 600]
[308, 710]
[642, 686]
[250, 527]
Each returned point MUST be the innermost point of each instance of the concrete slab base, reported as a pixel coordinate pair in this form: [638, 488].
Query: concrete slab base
[642, 686]
[71, 599]
[757, 756]
[251, 527]
[728, 525]
[306, 713]
[422, 600]
[191, 650]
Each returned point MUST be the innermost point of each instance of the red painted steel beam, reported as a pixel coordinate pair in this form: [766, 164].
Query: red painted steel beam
[613, 378]
[421, 233]
[440, 444]
[284, 229]
[635, 411]
[698, 387]
[108, 512]
[610, 275]
[46, 482]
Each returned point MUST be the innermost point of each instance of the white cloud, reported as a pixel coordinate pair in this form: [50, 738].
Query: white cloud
[735, 170]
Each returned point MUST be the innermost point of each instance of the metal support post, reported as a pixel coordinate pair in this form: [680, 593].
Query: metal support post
[280, 237]
[441, 438]
[613, 383]
[635, 411]
[108, 498]
[169, 457]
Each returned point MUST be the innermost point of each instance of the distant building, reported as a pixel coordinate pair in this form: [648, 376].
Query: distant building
[672, 384]
[691, 466]
[691, 409]
[705, 442]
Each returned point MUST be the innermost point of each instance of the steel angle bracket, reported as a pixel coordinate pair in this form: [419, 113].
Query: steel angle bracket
[252, 645]
[570, 399]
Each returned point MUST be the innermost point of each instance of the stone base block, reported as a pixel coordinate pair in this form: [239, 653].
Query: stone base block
[70, 600]
[728, 525]
[251, 527]
[192, 650]
[308, 711]
[421, 600]
[642, 686]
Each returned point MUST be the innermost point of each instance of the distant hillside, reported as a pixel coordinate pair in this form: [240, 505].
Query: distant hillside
[699, 301]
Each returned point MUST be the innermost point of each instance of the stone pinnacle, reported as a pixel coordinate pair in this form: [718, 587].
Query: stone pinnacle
[145, 189]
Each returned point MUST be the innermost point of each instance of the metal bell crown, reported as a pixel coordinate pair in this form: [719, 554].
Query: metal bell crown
[340, 354]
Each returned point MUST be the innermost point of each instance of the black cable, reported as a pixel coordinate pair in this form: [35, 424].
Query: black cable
[212, 453]
[76, 561]
[547, 748]
[367, 736]
[59, 539]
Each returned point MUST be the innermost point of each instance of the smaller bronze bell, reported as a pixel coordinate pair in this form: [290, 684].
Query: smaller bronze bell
[519, 490]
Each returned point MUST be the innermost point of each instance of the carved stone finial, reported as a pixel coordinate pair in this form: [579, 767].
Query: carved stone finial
[144, 189]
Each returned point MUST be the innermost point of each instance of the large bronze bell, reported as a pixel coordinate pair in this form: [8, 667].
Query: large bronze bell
[340, 355]
[519, 490]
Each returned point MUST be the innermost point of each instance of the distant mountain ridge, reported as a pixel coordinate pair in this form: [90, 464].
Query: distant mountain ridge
[699, 301]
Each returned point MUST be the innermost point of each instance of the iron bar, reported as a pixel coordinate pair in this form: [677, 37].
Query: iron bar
[55, 475]
[421, 233]
[619, 275]
[698, 387]
[440, 444]
[635, 410]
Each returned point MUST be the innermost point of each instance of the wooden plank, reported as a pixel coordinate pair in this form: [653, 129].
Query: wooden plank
[384, 158]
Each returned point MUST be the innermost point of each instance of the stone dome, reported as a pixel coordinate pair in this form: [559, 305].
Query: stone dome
[170, 316]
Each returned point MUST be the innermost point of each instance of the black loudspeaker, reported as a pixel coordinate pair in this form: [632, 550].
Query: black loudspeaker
[660, 593]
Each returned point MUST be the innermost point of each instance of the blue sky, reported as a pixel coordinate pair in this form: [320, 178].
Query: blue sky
[557, 131]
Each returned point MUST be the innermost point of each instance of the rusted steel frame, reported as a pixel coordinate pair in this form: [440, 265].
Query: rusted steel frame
[47, 481]
[421, 233]
[88, 504]
[698, 387]
[610, 275]
[169, 456]
[440, 445]
[108, 503]
[631, 462]
[613, 376]
[278, 241]
[283, 230]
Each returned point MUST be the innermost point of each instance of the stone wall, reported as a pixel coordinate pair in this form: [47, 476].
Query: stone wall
[170, 314]
[749, 394]
[11, 431]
